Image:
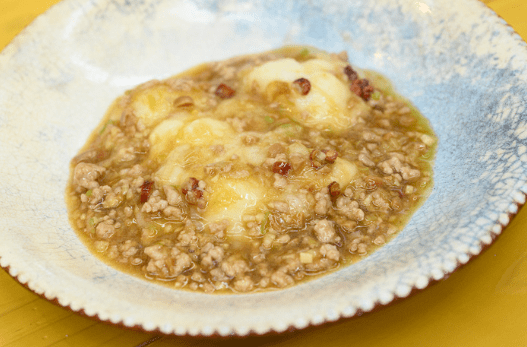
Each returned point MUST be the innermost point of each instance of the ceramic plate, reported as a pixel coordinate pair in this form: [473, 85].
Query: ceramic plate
[456, 61]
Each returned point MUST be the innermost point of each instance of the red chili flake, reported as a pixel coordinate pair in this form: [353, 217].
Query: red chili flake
[331, 155]
[302, 85]
[146, 190]
[334, 188]
[362, 88]
[352, 74]
[368, 91]
[224, 91]
[191, 184]
[281, 167]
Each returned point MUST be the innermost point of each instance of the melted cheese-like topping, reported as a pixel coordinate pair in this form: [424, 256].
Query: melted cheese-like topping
[187, 147]
[329, 105]
[152, 105]
[185, 142]
[231, 198]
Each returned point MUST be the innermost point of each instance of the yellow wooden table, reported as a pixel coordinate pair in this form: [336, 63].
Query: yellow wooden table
[483, 304]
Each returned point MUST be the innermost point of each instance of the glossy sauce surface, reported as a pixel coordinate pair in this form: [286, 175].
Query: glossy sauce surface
[249, 174]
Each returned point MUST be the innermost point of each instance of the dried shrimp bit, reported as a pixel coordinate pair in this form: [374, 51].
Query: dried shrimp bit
[184, 101]
[281, 167]
[334, 189]
[352, 74]
[224, 91]
[302, 85]
[362, 88]
[146, 190]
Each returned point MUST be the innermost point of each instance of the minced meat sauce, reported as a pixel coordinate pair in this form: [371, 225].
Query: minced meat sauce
[251, 174]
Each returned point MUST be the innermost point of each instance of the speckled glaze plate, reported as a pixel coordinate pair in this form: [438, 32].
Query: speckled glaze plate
[456, 61]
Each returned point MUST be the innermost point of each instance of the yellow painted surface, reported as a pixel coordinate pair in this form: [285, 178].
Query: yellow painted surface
[483, 304]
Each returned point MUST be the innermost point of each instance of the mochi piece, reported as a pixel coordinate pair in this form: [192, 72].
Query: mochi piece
[206, 131]
[329, 105]
[231, 198]
[154, 104]
[164, 137]
[342, 172]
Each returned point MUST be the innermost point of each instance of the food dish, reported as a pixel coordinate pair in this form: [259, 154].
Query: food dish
[250, 174]
[468, 207]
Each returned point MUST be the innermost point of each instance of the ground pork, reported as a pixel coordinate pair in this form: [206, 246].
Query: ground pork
[281, 279]
[325, 231]
[105, 229]
[322, 201]
[330, 251]
[154, 204]
[212, 255]
[349, 208]
[219, 228]
[85, 175]
[173, 197]
[234, 268]
[129, 248]
[180, 262]
[243, 284]
[156, 252]
[394, 164]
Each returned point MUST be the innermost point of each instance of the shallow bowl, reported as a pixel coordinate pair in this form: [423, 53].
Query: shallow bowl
[461, 65]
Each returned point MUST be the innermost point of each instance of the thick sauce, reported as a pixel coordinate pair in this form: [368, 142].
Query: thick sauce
[251, 174]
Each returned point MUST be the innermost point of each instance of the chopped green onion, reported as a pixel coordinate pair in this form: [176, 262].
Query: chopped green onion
[295, 122]
[265, 224]
[426, 156]
[154, 227]
[92, 221]
[304, 53]
[269, 120]
[376, 95]
[89, 193]
[105, 125]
